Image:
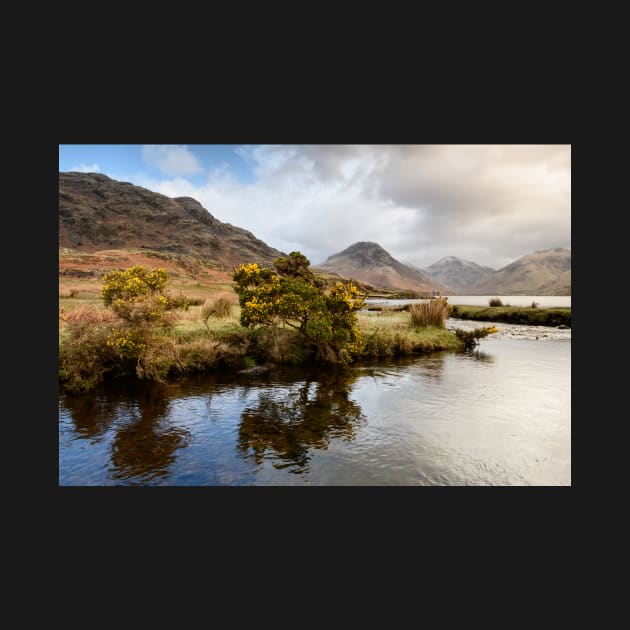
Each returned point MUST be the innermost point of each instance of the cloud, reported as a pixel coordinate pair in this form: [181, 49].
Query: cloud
[487, 203]
[87, 168]
[171, 159]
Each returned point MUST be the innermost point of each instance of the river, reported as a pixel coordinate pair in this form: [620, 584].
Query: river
[500, 415]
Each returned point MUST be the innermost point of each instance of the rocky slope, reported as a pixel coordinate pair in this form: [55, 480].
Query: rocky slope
[546, 272]
[460, 275]
[99, 213]
[370, 263]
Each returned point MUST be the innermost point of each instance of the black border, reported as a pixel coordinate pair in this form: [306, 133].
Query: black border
[380, 111]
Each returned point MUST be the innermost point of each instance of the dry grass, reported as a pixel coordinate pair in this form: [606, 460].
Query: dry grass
[432, 313]
[390, 334]
[218, 306]
[88, 314]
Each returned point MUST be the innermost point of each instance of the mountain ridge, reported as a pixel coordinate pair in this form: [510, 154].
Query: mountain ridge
[457, 273]
[543, 272]
[369, 262]
[97, 212]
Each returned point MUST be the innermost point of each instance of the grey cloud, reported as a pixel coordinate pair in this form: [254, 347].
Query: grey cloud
[487, 203]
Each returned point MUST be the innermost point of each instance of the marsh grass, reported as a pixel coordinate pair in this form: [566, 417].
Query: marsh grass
[554, 316]
[431, 313]
[392, 334]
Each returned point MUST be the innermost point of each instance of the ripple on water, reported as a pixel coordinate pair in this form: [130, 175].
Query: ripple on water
[497, 416]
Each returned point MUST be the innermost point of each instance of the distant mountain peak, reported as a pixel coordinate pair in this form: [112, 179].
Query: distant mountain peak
[544, 272]
[459, 274]
[369, 262]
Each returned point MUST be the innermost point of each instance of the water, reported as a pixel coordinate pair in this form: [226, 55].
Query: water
[544, 301]
[497, 416]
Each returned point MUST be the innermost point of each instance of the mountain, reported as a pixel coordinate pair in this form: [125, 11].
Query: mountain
[99, 213]
[458, 274]
[370, 263]
[546, 272]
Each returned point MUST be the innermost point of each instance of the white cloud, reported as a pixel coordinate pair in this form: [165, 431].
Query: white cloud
[171, 159]
[489, 204]
[87, 168]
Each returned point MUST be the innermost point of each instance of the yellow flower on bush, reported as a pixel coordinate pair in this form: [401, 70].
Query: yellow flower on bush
[129, 343]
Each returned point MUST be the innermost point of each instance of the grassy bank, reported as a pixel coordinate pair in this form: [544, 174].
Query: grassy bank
[515, 314]
[87, 355]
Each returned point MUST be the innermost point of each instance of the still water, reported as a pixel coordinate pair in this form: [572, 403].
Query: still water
[544, 301]
[498, 416]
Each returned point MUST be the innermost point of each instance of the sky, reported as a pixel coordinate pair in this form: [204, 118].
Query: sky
[489, 204]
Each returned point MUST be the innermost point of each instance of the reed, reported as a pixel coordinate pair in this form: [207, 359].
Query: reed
[431, 313]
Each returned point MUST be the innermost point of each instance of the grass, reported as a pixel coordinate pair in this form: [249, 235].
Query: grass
[195, 345]
[515, 314]
[432, 313]
[391, 334]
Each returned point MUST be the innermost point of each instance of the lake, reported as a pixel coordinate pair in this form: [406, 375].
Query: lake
[544, 301]
[500, 415]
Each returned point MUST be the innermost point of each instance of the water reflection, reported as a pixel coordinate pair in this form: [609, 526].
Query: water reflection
[144, 442]
[145, 448]
[479, 356]
[90, 415]
[496, 415]
[284, 425]
[430, 367]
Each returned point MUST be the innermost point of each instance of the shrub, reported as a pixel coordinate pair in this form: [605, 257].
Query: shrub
[137, 295]
[431, 313]
[292, 296]
[495, 302]
[534, 304]
[472, 337]
[84, 354]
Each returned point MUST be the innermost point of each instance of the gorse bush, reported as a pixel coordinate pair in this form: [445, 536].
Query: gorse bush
[495, 302]
[431, 313]
[125, 337]
[471, 338]
[85, 355]
[137, 295]
[292, 296]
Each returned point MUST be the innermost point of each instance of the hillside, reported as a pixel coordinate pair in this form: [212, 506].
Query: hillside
[98, 213]
[460, 275]
[370, 263]
[546, 272]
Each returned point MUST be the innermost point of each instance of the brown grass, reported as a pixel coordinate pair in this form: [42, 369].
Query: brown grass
[432, 313]
[218, 305]
[88, 315]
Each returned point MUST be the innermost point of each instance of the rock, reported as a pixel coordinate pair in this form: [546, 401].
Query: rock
[254, 371]
[563, 327]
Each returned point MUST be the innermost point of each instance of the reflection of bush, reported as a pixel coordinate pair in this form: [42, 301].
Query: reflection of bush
[144, 449]
[91, 417]
[144, 446]
[309, 416]
[141, 451]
